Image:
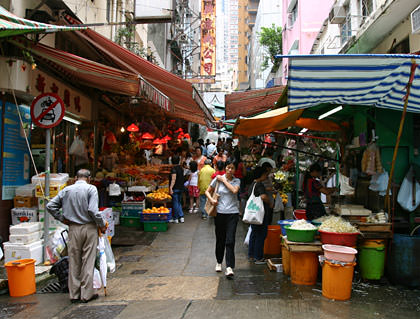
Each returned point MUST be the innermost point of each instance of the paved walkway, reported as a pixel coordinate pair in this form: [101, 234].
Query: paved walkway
[171, 275]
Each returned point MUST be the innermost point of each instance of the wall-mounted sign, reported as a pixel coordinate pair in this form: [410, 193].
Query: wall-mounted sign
[75, 102]
[208, 38]
[47, 110]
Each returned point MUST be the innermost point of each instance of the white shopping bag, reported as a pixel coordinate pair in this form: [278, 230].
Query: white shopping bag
[254, 209]
[114, 189]
[248, 236]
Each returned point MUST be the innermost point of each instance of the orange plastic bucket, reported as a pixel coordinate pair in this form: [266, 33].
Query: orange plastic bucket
[304, 268]
[21, 277]
[337, 280]
[285, 257]
[272, 244]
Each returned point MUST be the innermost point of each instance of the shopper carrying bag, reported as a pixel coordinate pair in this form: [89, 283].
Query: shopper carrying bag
[254, 209]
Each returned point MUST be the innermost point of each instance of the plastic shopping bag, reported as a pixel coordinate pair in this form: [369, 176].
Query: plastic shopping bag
[97, 282]
[405, 195]
[278, 204]
[254, 210]
[77, 147]
[110, 260]
[248, 236]
[114, 189]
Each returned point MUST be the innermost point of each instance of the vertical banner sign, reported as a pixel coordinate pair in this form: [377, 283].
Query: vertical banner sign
[16, 164]
[208, 38]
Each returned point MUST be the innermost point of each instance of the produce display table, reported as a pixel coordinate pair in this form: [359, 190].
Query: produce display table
[156, 202]
[292, 246]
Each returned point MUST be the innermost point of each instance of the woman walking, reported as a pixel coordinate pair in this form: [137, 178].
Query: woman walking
[193, 190]
[226, 219]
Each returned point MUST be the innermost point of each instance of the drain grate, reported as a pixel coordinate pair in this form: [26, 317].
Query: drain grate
[139, 272]
[255, 286]
[129, 259]
[53, 287]
[95, 312]
[8, 310]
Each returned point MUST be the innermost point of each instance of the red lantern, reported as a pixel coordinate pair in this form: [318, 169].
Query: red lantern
[133, 128]
[147, 136]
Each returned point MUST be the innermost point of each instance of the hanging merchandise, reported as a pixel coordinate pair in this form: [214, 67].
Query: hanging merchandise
[379, 183]
[371, 162]
[409, 194]
[344, 184]
[78, 149]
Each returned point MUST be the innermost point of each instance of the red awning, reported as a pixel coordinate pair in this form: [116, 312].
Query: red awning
[85, 71]
[248, 103]
[185, 101]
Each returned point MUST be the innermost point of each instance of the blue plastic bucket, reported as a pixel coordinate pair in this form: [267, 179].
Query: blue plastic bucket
[283, 223]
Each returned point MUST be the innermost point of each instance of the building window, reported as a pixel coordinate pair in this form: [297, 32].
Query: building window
[367, 7]
[345, 29]
[292, 15]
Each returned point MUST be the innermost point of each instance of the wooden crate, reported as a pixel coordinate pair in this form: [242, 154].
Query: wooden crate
[370, 227]
[23, 201]
[292, 246]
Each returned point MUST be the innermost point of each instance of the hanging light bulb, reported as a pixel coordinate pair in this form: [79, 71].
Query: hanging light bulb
[122, 129]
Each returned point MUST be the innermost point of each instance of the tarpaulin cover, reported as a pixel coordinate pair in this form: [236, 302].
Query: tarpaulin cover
[368, 80]
[12, 25]
[248, 103]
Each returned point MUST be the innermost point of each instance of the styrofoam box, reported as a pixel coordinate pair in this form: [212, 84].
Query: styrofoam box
[19, 251]
[25, 228]
[55, 179]
[27, 190]
[25, 239]
[54, 223]
[24, 215]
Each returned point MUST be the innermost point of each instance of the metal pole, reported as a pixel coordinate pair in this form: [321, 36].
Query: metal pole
[297, 179]
[47, 190]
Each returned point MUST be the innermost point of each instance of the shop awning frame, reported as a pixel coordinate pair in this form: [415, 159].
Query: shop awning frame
[280, 119]
[12, 25]
[89, 73]
[184, 100]
[248, 103]
[377, 80]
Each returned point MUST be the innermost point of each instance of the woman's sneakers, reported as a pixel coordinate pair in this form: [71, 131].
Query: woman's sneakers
[181, 220]
[229, 272]
[218, 268]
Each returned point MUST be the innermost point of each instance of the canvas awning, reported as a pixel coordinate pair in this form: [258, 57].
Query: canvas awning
[184, 100]
[12, 25]
[280, 119]
[368, 80]
[87, 72]
[248, 103]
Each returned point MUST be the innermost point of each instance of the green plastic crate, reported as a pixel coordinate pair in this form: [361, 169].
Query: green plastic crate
[155, 226]
[130, 221]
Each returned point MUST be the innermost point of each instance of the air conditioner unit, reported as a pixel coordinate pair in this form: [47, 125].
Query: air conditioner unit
[415, 20]
[337, 15]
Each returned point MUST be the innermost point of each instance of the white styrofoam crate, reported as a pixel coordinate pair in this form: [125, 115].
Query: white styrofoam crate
[24, 215]
[54, 223]
[25, 228]
[25, 239]
[27, 190]
[19, 251]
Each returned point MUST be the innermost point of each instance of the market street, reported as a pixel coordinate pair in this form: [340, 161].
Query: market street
[171, 275]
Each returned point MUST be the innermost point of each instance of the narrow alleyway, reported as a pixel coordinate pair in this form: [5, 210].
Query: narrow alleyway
[171, 275]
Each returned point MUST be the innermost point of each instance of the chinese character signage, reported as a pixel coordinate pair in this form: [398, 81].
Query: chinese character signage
[208, 37]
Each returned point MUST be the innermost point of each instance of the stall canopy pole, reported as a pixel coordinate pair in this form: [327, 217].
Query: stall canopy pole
[47, 190]
[394, 157]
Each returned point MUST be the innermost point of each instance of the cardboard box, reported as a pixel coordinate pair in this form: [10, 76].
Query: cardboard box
[23, 214]
[24, 201]
[54, 190]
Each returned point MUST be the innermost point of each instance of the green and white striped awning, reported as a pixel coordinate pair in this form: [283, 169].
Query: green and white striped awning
[12, 25]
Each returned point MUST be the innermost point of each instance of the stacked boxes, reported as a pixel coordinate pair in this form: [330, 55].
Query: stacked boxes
[24, 242]
[25, 205]
[54, 223]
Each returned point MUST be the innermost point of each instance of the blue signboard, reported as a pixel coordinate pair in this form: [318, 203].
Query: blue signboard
[16, 158]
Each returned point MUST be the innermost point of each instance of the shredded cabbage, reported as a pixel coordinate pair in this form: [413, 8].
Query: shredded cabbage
[336, 224]
[302, 224]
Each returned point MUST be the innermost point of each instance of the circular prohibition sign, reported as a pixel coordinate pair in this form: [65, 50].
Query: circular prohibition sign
[47, 110]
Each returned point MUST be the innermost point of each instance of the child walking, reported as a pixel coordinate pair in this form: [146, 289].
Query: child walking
[193, 189]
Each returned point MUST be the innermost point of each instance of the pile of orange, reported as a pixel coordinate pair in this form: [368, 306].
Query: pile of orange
[156, 210]
[160, 194]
